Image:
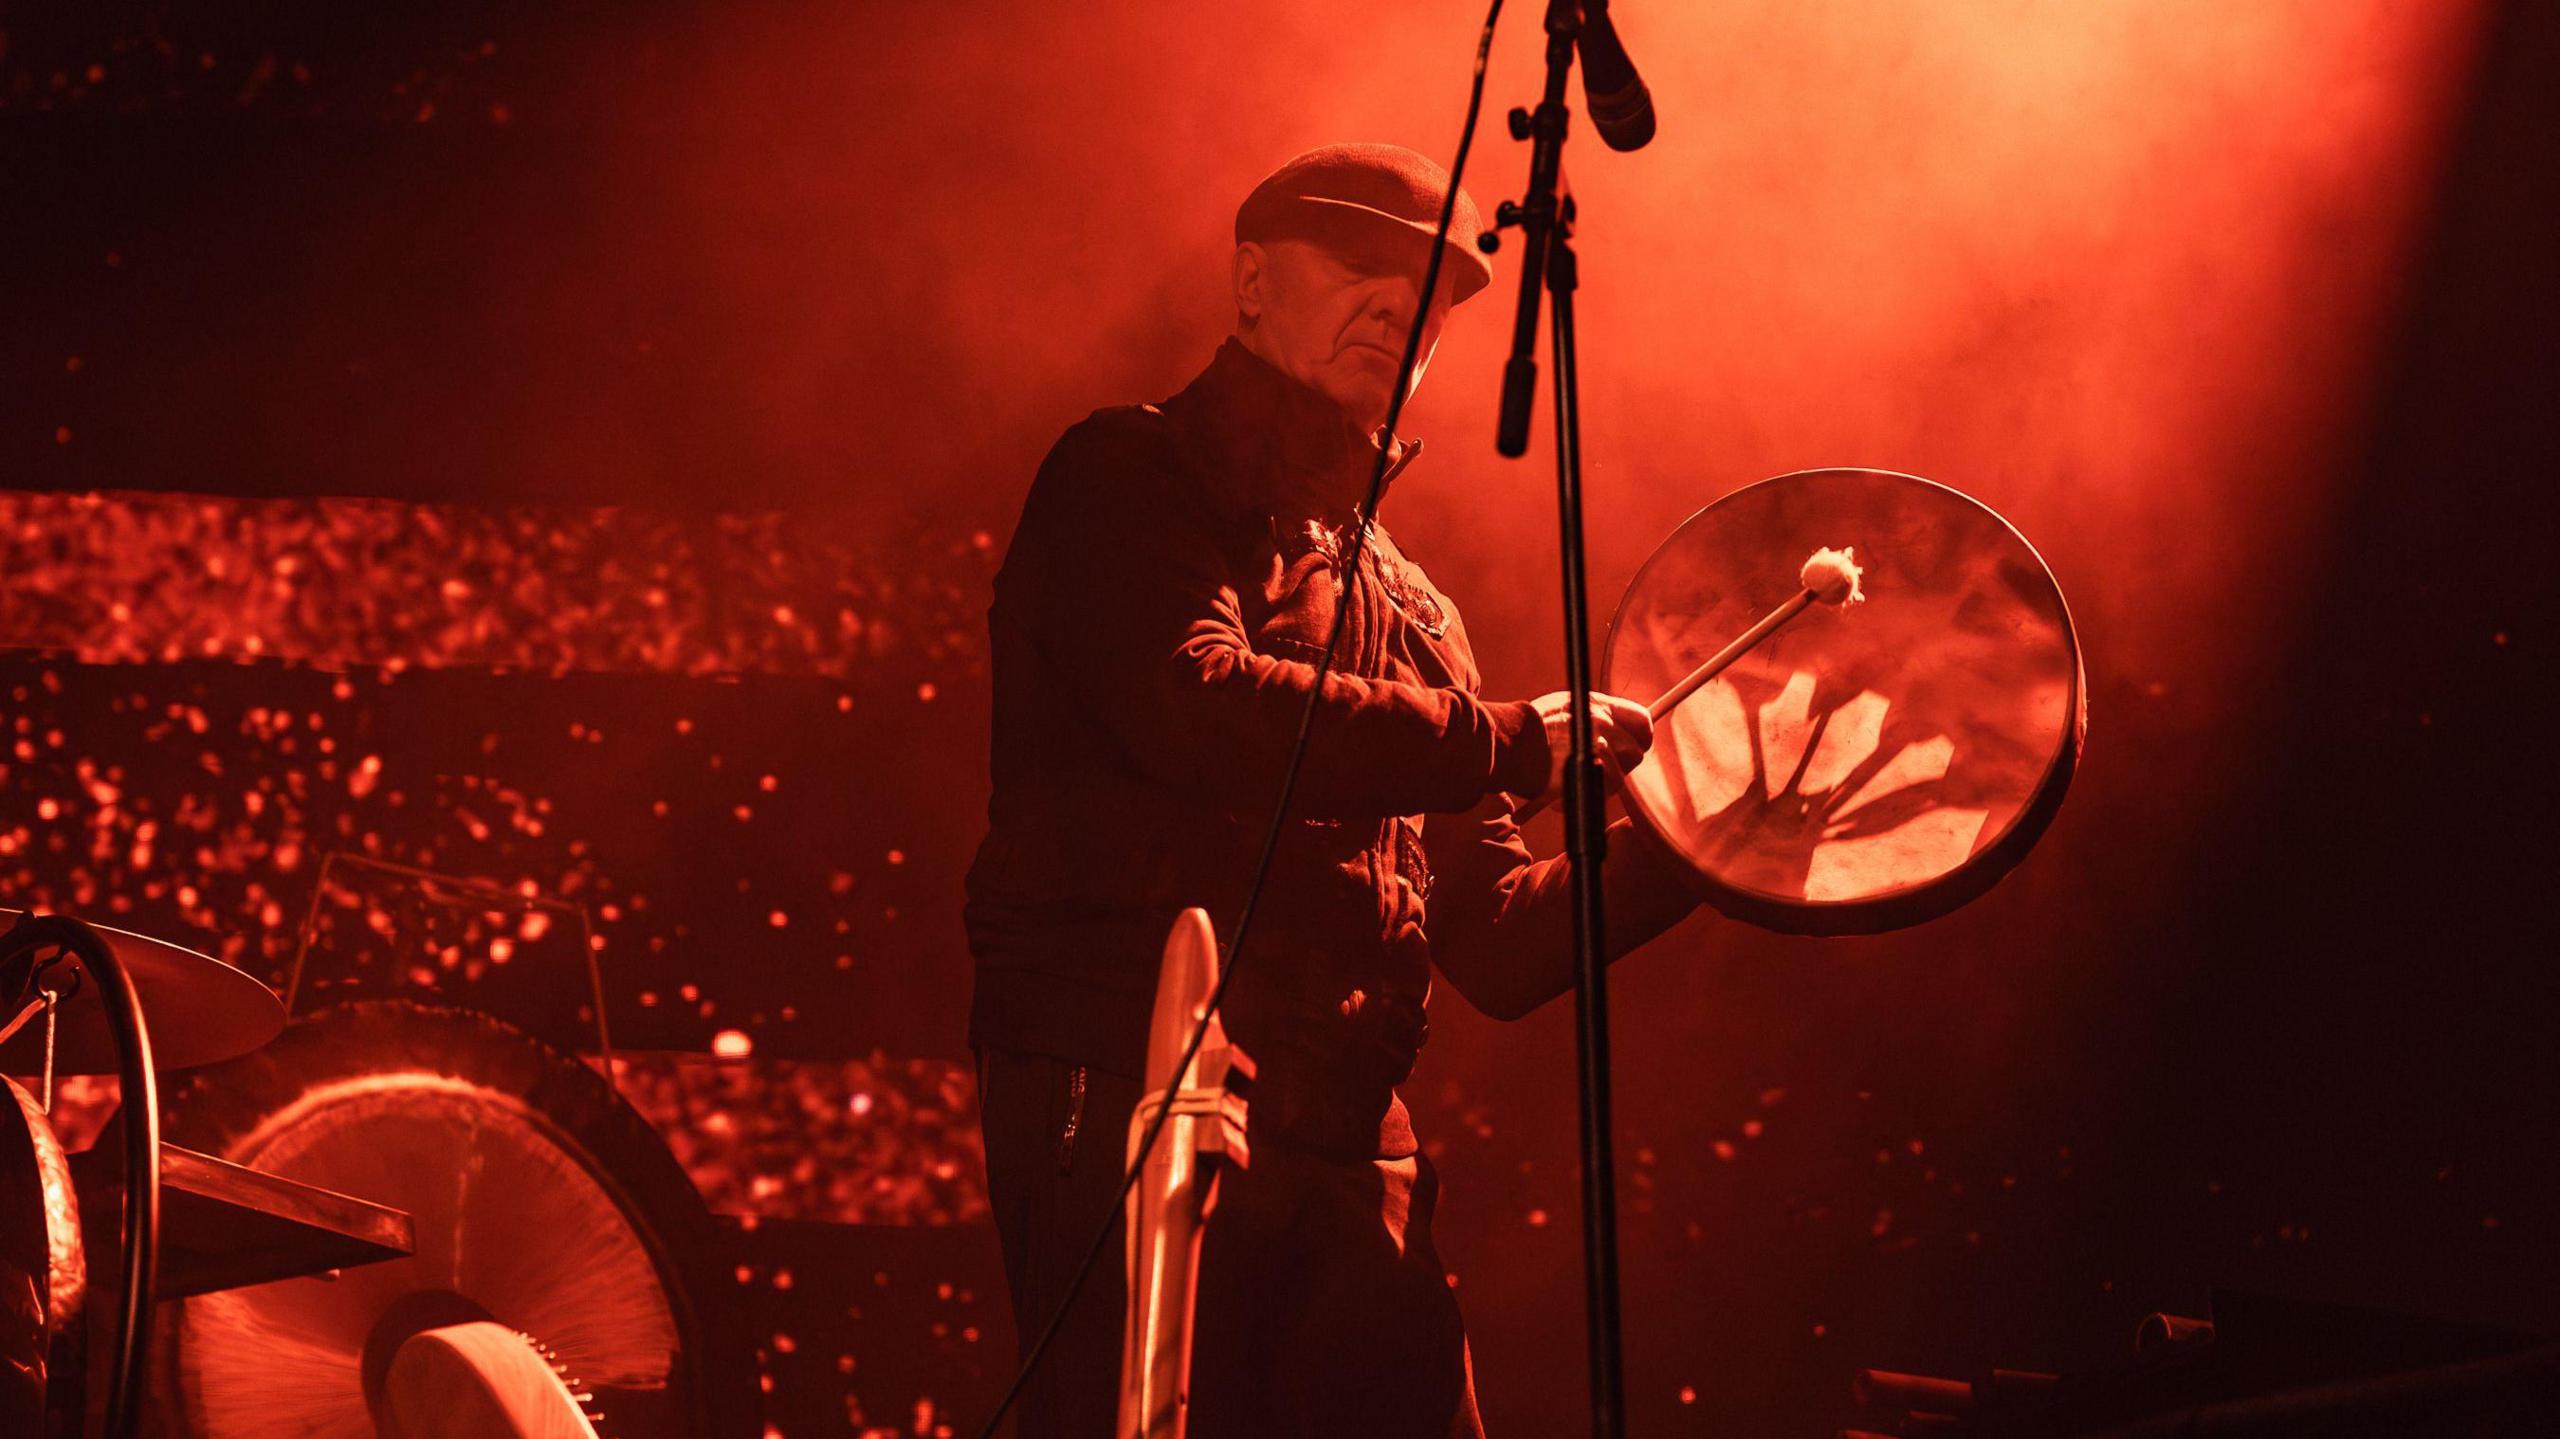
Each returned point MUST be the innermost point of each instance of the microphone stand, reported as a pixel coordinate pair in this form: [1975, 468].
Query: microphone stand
[1545, 218]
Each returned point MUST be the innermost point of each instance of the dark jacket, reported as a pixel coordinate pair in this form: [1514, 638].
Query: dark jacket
[1155, 630]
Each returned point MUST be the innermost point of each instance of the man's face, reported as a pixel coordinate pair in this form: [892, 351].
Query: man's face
[1332, 312]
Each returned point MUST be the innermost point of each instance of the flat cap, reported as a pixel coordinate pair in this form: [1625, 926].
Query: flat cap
[1388, 182]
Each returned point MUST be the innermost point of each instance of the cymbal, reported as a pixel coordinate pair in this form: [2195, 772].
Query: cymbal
[1872, 765]
[199, 1010]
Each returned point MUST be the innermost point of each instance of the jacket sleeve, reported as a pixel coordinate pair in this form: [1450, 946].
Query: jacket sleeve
[1500, 921]
[1126, 584]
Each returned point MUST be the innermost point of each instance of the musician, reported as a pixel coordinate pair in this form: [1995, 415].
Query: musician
[1155, 631]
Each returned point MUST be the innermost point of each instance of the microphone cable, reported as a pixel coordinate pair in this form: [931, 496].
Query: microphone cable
[1353, 553]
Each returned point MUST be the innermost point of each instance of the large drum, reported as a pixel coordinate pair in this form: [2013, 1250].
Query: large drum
[1868, 766]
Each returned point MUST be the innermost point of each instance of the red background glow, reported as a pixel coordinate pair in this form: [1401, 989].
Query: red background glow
[2139, 274]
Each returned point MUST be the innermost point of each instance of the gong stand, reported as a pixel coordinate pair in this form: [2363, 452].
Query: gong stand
[1545, 218]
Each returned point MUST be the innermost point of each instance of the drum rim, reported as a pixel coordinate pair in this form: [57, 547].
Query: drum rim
[1912, 904]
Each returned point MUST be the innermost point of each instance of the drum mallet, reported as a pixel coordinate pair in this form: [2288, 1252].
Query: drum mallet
[1829, 577]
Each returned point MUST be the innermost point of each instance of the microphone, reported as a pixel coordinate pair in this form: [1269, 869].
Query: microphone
[1621, 108]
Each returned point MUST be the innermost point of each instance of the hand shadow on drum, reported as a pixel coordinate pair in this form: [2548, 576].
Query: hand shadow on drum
[1783, 829]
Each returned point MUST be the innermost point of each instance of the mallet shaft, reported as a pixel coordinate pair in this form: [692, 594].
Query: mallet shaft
[1696, 679]
[1742, 644]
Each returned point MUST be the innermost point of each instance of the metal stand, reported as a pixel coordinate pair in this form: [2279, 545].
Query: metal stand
[442, 889]
[1545, 219]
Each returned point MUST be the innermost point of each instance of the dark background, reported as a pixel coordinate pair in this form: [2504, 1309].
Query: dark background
[2246, 317]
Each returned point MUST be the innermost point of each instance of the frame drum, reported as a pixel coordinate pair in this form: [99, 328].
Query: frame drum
[1868, 766]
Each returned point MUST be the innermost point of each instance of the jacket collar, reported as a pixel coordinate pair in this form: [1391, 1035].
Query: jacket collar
[1278, 442]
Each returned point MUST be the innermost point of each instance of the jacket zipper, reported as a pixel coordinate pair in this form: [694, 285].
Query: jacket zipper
[1075, 1120]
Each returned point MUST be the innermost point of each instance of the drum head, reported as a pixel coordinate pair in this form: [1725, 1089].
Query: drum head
[1869, 766]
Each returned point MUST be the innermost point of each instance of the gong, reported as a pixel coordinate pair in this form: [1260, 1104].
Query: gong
[1867, 766]
[44, 1274]
[549, 1218]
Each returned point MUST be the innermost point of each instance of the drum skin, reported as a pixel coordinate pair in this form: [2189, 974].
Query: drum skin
[477, 1380]
[1870, 766]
